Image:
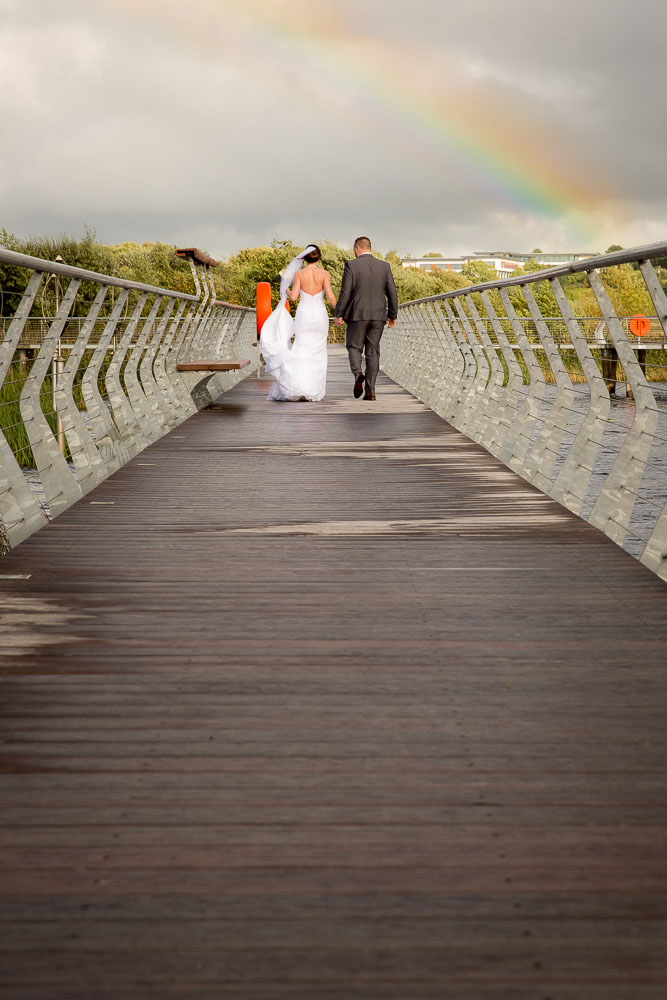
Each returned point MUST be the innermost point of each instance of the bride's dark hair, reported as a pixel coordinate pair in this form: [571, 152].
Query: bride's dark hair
[314, 255]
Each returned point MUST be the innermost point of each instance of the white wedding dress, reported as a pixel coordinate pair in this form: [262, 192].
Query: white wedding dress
[299, 368]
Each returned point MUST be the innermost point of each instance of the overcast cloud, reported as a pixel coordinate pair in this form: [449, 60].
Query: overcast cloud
[202, 122]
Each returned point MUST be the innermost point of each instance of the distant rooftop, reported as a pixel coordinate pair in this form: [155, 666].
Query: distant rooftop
[564, 255]
[504, 262]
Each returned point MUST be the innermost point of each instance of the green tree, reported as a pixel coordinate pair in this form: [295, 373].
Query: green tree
[541, 290]
[149, 263]
[237, 278]
[418, 283]
[479, 271]
[627, 290]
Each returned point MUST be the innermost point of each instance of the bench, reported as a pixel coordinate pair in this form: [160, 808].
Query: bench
[211, 366]
[199, 392]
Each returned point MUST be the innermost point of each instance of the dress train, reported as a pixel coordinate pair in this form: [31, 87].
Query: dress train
[299, 368]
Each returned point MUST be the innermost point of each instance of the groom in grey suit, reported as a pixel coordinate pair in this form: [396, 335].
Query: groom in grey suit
[367, 289]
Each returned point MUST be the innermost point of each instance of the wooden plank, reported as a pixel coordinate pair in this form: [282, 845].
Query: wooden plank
[211, 366]
[197, 255]
[330, 704]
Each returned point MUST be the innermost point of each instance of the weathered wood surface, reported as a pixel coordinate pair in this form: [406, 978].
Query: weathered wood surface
[211, 366]
[320, 701]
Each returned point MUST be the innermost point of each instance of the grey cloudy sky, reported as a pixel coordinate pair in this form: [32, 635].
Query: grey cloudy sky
[431, 125]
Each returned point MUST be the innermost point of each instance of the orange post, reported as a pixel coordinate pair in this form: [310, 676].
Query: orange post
[263, 304]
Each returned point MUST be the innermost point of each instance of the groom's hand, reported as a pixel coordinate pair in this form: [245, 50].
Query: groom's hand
[391, 322]
[338, 321]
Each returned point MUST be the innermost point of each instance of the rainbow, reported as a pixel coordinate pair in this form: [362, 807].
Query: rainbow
[381, 83]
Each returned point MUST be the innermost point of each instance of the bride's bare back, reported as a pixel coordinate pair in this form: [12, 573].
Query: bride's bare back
[312, 280]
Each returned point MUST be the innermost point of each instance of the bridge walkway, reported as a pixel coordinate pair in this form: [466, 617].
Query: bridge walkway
[322, 701]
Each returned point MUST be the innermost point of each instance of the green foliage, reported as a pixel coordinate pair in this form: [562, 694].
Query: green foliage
[236, 279]
[150, 263]
[333, 259]
[575, 286]
[416, 283]
[627, 290]
[478, 271]
[11, 421]
[541, 291]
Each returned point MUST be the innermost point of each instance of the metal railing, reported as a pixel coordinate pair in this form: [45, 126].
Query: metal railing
[582, 415]
[94, 390]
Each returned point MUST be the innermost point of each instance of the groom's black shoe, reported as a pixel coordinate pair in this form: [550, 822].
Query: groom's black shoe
[359, 385]
[369, 395]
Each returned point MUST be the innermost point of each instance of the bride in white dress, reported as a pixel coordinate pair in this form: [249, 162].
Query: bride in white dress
[299, 368]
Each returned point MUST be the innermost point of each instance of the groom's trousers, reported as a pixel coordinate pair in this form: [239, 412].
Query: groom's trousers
[363, 336]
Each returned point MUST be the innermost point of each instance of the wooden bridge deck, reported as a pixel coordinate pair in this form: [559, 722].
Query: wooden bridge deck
[320, 701]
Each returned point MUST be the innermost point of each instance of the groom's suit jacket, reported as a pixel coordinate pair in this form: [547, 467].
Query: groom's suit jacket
[368, 286]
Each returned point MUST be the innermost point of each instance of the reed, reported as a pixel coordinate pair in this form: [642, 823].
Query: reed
[11, 421]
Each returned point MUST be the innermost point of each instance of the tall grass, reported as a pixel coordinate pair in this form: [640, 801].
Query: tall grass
[11, 422]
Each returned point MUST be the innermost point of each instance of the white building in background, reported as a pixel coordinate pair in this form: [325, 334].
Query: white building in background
[505, 264]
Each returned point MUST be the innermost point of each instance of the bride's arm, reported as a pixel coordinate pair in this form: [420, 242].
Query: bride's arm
[328, 290]
[293, 292]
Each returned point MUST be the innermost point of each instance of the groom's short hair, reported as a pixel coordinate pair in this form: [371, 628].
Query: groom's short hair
[362, 243]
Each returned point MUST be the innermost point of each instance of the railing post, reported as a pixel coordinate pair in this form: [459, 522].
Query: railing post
[470, 365]
[527, 417]
[146, 423]
[86, 458]
[476, 401]
[60, 486]
[572, 481]
[57, 365]
[541, 462]
[105, 432]
[450, 372]
[609, 360]
[123, 414]
[21, 514]
[172, 393]
[613, 508]
[157, 402]
[512, 395]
